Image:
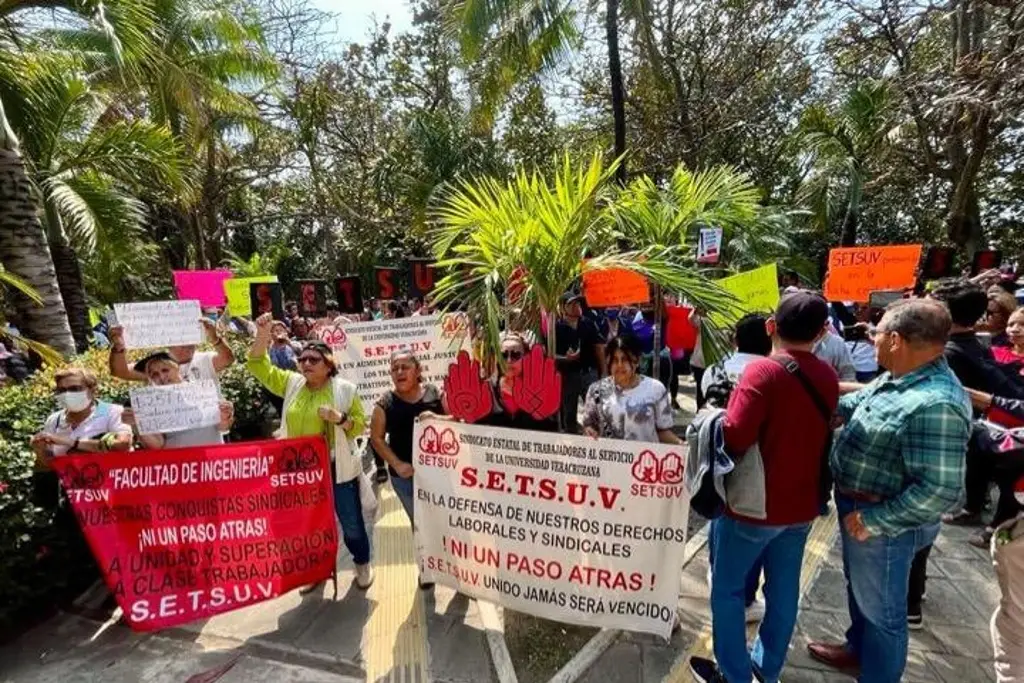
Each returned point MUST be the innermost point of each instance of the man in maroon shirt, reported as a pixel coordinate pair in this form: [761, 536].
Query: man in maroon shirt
[772, 415]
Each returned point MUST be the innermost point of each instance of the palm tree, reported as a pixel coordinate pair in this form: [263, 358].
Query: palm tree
[11, 283]
[85, 163]
[24, 251]
[671, 215]
[844, 143]
[488, 232]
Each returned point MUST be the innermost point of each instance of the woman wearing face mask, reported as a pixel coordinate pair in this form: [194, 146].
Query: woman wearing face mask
[394, 417]
[319, 403]
[83, 424]
[627, 405]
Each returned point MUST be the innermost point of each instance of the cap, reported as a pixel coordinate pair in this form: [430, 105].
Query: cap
[158, 355]
[801, 316]
[569, 297]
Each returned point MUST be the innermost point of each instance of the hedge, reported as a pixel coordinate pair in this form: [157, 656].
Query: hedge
[43, 558]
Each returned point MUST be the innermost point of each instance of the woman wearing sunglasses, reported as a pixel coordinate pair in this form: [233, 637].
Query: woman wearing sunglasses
[513, 350]
[83, 424]
[319, 403]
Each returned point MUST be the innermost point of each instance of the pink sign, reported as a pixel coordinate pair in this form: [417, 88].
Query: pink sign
[205, 286]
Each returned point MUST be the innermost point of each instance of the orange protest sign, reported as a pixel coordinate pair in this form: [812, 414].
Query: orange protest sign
[855, 272]
[614, 287]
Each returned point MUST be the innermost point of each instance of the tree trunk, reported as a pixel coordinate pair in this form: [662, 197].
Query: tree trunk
[72, 291]
[963, 224]
[618, 90]
[850, 223]
[25, 253]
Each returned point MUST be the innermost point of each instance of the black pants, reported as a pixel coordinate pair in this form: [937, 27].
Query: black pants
[985, 466]
[918, 577]
[698, 375]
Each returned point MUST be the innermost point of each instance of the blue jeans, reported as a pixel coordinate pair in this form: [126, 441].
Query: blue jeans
[877, 571]
[738, 548]
[405, 491]
[753, 578]
[349, 509]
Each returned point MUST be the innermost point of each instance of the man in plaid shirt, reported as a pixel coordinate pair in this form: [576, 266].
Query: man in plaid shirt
[898, 466]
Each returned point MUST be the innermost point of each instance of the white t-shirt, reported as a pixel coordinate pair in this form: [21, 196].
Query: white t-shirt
[636, 414]
[200, 367]
[104, 419]
[201, 436]
[730, 369]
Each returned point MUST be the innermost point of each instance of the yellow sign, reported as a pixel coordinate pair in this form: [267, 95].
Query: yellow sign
[236, 290]
[757, 291]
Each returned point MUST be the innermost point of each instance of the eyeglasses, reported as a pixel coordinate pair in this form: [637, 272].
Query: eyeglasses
[72, 388]
[512, 355]
[310, 360]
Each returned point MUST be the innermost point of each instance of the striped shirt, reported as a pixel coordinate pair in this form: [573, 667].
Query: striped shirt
[905, 440]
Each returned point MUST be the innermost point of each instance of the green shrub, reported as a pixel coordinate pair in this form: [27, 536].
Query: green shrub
[42, 556]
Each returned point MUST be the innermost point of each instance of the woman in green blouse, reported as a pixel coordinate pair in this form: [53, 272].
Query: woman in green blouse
[318, 402]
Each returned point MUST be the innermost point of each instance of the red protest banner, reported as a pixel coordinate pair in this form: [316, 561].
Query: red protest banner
[188, 533]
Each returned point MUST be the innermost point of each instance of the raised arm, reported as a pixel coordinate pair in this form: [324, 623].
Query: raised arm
[273, 378]
[118, 363]
[225, 356]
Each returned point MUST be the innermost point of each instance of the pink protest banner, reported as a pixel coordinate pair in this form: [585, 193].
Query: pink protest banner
[205, 286]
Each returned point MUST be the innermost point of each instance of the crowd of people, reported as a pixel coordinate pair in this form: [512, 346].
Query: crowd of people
[899, 416]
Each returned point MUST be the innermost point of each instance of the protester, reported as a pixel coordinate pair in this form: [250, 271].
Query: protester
[644, 332]
[301, 330]
[580, 353]
[393, 420]
[976, 368]
[898, 465]
[161, 369]
[194, 365]
[1001, 304]
[1012, 353]
[83, 424]
[627, 405]
[775, 416]
[697, 364]
[504, 412]
[750, 342]
[319, 403]
[862, 352]
[282, 350]
[832, 349]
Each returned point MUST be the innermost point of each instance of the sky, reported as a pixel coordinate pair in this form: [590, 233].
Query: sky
[355, 17]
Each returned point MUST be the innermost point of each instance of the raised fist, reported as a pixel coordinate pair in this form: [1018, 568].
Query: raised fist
[647, 468]
[671, 469]
[429, 442]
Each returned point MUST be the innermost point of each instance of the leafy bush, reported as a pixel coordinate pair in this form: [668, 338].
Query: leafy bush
[42, 556]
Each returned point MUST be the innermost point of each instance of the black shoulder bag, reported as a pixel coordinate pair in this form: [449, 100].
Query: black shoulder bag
[825, 480]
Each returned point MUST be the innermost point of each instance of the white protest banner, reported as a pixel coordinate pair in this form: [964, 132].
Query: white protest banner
[363, 350]
[152, 324]
[709, 245]
[176, 407]
[563, 527]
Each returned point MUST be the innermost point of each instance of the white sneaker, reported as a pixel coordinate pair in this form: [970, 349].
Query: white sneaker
[364, 576]
[755, 613]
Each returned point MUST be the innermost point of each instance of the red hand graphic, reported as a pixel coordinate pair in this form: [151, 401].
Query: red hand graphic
[449, 444]
[671, 469]
[538, 390]
[468, 394]
[647, 468]
[429, 440]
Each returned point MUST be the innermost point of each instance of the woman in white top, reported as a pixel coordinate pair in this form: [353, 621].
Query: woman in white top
[162, 369]
[627, 405]
[83, 424]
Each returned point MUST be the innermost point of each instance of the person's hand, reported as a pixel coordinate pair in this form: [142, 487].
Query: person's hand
[330, 414]
[210, 328]
[854, 524]
[116, 335]
[591, 432]
[987, 278]
[469, 396]
[227, 414]
[264, 322]
[572, 354]
[538, 389]
[57, 440]
[404, 470]
[40, 441]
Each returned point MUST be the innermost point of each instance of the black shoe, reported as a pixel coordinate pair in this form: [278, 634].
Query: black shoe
[382, 476]
[706, 671]
[963, 518]
[915, 620]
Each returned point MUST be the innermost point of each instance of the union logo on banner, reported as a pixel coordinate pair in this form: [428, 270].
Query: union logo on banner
[650, 469]
[439, 443]
[333, 335]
